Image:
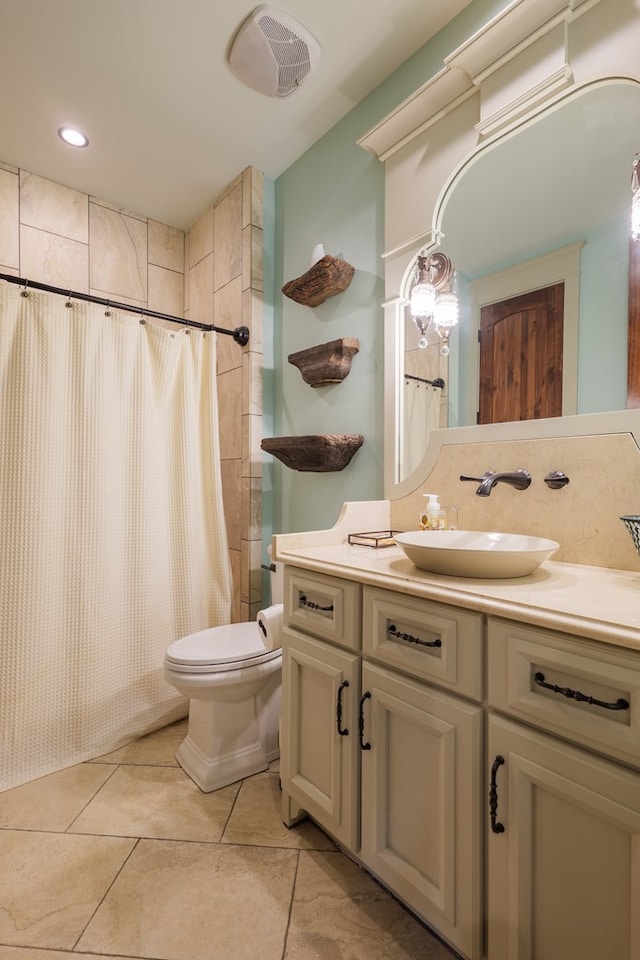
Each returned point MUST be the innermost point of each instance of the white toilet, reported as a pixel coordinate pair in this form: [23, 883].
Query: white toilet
[232, 677]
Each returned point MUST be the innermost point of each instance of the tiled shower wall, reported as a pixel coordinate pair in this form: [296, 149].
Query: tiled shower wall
[224, 286]
[56, 235]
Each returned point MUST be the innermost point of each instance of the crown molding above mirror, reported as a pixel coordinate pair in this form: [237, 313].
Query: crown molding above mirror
[529, 60]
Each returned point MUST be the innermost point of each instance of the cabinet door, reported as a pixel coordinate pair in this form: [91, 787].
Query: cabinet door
[422, 801]
[319, 760]
[564, 851]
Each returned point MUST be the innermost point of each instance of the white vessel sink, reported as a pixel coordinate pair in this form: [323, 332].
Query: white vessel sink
[475, 553]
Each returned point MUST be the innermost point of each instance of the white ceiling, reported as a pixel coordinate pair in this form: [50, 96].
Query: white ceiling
[147, 80]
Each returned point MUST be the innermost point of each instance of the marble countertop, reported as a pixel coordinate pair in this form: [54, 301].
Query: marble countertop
[594, 602]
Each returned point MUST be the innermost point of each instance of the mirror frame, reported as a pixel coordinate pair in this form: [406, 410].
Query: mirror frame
[530, 54]
[395, 318]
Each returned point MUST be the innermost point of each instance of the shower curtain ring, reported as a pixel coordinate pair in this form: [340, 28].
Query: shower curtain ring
[69, 303]
[107, 312]
[24, 292]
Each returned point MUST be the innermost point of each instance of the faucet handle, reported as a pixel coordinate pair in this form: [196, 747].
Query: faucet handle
[484, 476]
[556, 479]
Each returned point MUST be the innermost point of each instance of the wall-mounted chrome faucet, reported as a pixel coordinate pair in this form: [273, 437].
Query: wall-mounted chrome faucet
[520, 479]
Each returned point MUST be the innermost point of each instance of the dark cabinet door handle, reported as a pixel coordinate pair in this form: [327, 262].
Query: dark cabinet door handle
[393, 630]
[493, 796]
[341, 730]
[363, 745]
[302, 600]
[619, 704]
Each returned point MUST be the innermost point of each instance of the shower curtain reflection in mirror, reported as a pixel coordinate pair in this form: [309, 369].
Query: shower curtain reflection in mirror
[112, 526]
[421, 414]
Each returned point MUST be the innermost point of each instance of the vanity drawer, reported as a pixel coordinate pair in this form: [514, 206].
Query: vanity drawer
[431, 641]
[323, 606]
[580, 689]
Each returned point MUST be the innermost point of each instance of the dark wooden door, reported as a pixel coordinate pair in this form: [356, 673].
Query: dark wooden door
[521, 357]
[633, 339]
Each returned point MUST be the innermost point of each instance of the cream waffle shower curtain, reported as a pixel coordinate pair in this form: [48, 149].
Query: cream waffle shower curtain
[112, 536]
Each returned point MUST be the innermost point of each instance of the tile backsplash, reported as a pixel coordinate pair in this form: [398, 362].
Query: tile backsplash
[604, 475]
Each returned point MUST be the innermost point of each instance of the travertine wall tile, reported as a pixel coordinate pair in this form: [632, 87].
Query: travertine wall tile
[227, 312]
[52, 259]
[252, 198]
[165, 291]
[51, 206]
[252, 382]
[166, 246]
[251, 508]
[201, 291]
[252, 272]
[118, 253]
[9, 219]
[604, 473]
[253, 314]
[230, 413]
[229, 259]
[251, 577]
[227, 237]
[238, 613]
[232, 497]
[201, 238]
[252, 456]
[186, 284]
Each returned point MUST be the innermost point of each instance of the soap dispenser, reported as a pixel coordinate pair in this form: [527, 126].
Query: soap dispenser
[433, 517]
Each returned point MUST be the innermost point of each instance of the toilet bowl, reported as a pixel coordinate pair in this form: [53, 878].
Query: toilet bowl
[231, 676]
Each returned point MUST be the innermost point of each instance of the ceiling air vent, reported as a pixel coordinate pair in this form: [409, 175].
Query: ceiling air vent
[272, 53]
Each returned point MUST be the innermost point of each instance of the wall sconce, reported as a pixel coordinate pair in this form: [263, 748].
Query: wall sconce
[433, 301]
[635, 199]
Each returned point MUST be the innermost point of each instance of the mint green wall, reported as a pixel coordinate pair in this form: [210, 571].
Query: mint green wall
[334, 195]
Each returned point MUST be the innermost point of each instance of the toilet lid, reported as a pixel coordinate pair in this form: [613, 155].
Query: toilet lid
[230, 647]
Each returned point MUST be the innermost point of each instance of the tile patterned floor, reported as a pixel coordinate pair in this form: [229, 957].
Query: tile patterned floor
[125, 857]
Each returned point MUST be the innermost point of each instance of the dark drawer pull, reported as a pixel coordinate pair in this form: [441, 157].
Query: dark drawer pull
[341, 730]
[393, 630]
[363, 745]
[314, 606]
[620, 704]
[493, 796]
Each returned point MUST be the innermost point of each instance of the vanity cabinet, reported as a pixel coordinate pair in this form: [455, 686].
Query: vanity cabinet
[563, 865]
[382, 742]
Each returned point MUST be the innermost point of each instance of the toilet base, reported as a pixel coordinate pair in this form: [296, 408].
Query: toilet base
[227, 741]
[212, 773]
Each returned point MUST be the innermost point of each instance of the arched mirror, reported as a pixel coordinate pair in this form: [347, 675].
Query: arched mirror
[548, 203]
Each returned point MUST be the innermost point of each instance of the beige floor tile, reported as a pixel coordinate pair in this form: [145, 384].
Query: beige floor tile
[156, 748]
[256, 819]
[191, 901]
[33, 953]
[158, 802]
[51, 884]
[52, 802]
[339, 911]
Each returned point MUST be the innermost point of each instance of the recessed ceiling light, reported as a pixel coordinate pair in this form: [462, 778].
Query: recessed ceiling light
[73, 137]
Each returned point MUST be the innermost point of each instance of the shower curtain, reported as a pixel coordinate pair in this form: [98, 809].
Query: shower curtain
[421, 403]
[113, 540]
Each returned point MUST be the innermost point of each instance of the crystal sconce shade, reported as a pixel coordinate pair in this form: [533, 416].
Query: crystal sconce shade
[433, 299]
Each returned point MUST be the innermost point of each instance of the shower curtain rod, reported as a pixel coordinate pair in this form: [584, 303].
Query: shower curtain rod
[438, 382]
[240, 334]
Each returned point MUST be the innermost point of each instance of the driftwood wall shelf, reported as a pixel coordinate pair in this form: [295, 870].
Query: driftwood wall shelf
[319, 453]
[326, 278]
[326, 362]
